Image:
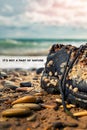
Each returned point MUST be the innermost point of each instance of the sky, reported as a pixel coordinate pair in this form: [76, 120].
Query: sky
[43, 19]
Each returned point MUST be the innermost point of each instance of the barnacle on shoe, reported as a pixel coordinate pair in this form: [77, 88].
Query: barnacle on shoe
[66, 69]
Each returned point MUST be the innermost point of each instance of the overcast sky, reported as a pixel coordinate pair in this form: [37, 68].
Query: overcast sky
[43, 18]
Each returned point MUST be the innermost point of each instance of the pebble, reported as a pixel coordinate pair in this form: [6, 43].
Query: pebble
[3, 119]
[16, 112]
[68, 106]
[39, 94]
[28, 129]
[59, 101]
[15, 79]
[49, 106]
[16, 74]
[39, 70]
[1, 77]
[32, 117]
[25, 84]
[61, 125]
[32, 106]
[25, 74]
[24, 89]
[25, 99]
[1, 89]
[9, 84]
[3, 74]
[75, 90]
[0, 93]
[82, 113]
[39, 100]
[5, 126]
[50, 73]
[35, 78]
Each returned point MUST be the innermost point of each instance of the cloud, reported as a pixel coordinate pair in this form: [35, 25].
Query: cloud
[7, 8]
[48, 12]
[59, 12]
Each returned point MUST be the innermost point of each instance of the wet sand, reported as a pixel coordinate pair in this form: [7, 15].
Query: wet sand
[49, 117]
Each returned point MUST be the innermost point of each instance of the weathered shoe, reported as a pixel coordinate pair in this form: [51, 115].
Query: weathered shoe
[54, 67]
[66, 73]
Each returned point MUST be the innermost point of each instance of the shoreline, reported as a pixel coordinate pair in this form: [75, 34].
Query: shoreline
[24, 52]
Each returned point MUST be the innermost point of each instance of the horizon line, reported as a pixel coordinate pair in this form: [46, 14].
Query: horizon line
[43, 38]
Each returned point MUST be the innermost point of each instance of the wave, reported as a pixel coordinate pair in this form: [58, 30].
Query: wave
[12, 41]
[32, 46]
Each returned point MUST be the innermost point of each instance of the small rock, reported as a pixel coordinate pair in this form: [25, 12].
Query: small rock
[16, 74]
[16, 112]
[16, 78]
[25, 99]
[1, 93]
[4, 125]
[39, 100]
[3, 74]
[39, 70]
[82, 113]
[1, 77]
[68, 106]
[33, 69]
[35, 78]
[28, 129]
[3, 119]
[31, 118]
[32, 106]
[25, 84]
[50, 106]
[9, 84]
[59, 125]
[39, 94]
[24, 89]
[1, 88]
[58, 100]
[24, 73]
[62, 125]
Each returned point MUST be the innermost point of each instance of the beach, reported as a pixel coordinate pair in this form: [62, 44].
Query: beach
[25, 105]
[43, 65]
[47, 112]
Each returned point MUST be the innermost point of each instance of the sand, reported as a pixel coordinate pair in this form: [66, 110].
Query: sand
[48, 118]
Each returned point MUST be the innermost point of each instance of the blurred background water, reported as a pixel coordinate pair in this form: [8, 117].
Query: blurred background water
[33, 47]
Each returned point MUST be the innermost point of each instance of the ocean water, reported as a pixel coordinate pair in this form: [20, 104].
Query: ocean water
[33, 47]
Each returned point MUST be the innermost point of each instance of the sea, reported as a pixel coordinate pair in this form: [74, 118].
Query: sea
[29, 53]
[31, 47]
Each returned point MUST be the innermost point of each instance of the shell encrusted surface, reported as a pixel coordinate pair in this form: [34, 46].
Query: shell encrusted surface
[76, 79]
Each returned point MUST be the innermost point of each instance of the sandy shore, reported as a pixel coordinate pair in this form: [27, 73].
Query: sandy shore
[50, 117]
[26, 53]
